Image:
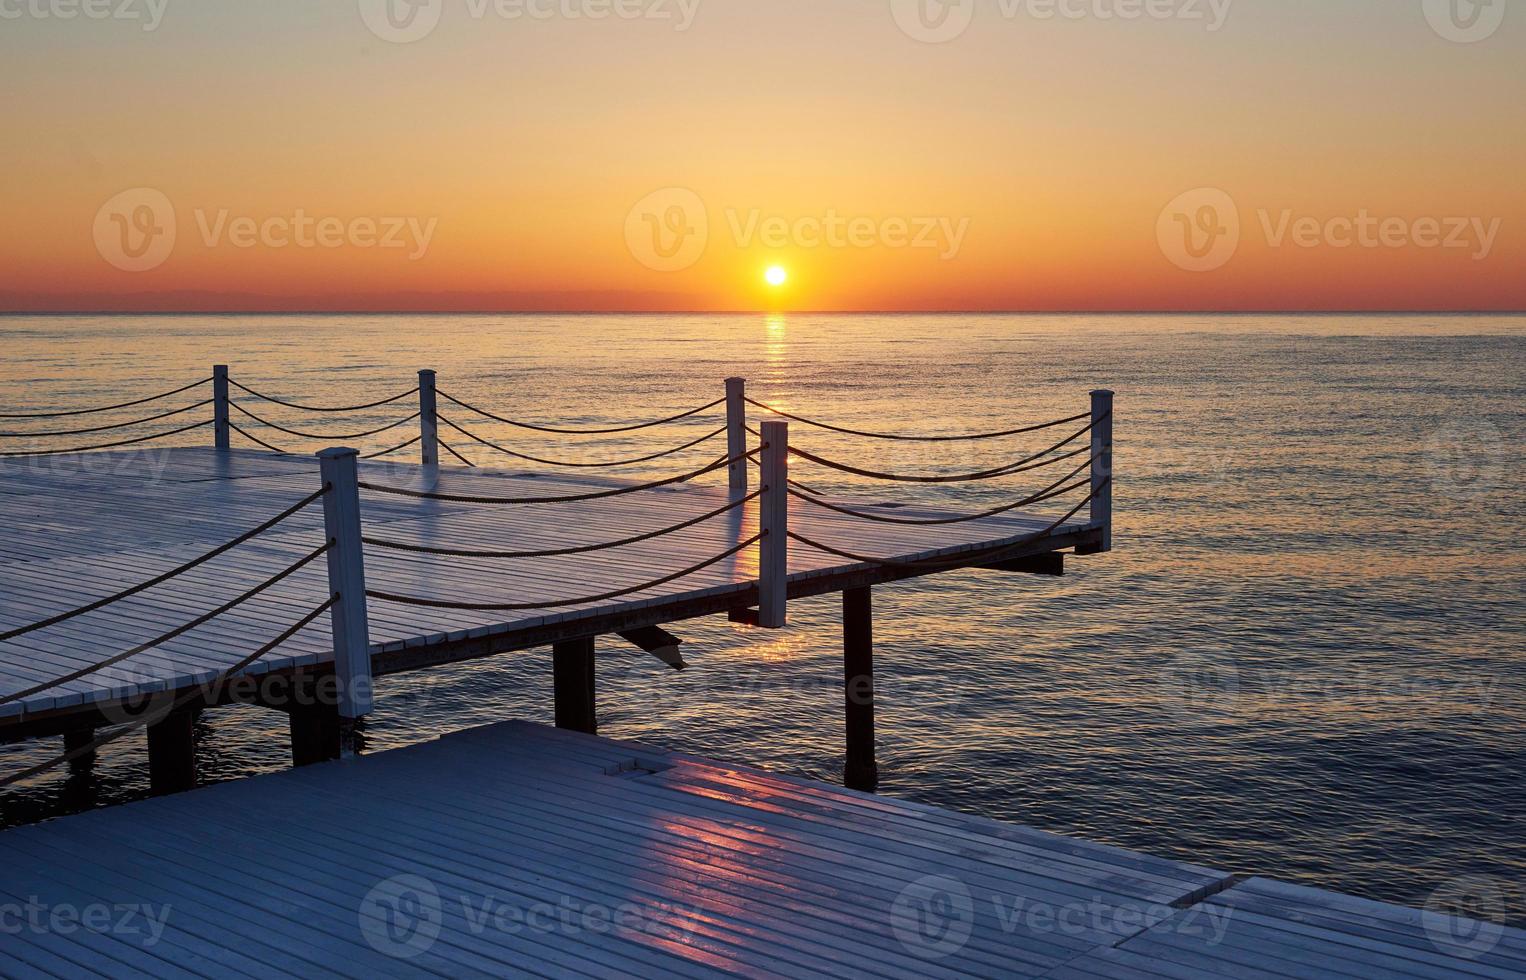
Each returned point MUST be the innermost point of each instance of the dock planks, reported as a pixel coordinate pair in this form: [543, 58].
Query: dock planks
[524, 850]
[82, 526]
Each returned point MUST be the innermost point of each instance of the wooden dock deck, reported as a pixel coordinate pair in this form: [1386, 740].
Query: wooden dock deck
[85, 525]
[522, 850]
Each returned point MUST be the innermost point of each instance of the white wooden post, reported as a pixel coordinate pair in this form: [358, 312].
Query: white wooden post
[773, 511]
[736, 434]
[220, 406]
[429, 421]
[1102, 465]
[347, 579]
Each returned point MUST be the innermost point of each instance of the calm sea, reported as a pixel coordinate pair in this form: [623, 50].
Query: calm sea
[1304, 659]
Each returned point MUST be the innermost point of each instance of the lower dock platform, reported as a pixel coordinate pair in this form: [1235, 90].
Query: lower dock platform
[517, 849]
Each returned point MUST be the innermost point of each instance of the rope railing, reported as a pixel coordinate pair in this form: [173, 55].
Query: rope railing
[450, 449]
[992, 553]
[563, 603]
[578, 550]
[575, 465]
[105, 408]
[178, 631]
[321, 408]
[255, 439]
[179, 703]
[1037, 460]
[566, 499]
[909, 438]
[109, 445]
[395, 449]
[196, 562]
[105, 428]
[323, 436]
[535, 427]
[1054, 490]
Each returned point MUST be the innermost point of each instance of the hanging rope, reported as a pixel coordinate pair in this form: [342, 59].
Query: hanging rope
[179, 703]
[983, 555]
[201, 620]
[559, 552]
[322, 436]
[562, 603]
[573, 498]
[105, 408]
[221, 549]
[322, 408]
[447, 447]
[1048, 493]
[1036, 461]
[581, 432]
[906, 438]
[105, 428]
[257, 441]
[565, 463]
[395, 449]
[111, 445]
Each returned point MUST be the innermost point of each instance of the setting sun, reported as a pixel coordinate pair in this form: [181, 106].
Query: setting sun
[776, 275]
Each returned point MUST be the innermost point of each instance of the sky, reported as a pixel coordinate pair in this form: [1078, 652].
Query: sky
[490, 155]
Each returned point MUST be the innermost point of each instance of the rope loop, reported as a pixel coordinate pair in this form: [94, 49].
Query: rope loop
[563, 603]
[568, 499]
[580, 432]
[105, 428]
[571, 465]
[106, 408]
[559, 552]
[322, 408]
[906, 438]
[110, 445]
[325, 437]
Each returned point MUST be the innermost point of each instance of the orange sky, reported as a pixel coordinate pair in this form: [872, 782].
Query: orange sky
[498, 162]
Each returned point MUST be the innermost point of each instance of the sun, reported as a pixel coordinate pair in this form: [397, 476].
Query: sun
[776, 275]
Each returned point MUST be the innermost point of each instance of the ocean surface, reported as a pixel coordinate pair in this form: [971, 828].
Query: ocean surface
[1304, 658]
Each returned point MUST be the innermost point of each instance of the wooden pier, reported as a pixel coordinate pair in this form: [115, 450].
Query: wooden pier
[522, 850]
[126, 599]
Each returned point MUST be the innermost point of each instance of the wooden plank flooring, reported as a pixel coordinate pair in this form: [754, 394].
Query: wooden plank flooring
[521, 850]
[88, 525]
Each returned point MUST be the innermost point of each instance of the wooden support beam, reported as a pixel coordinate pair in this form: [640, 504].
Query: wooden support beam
[1050, 564]
[74, 741]
[658, 642]
[744, 616]
[172, 753]
[572, 667]
[314, 724]
[861, 771]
